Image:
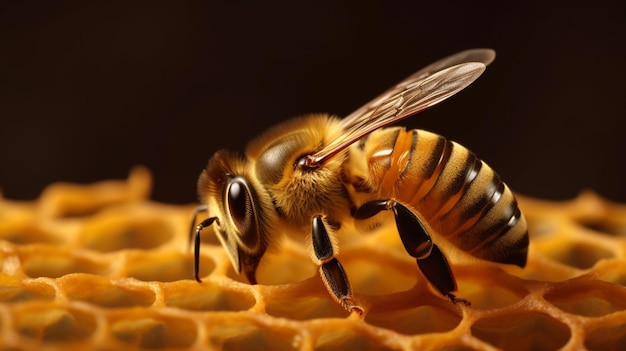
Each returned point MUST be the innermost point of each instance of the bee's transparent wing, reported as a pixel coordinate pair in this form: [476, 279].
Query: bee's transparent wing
[426, 87]
[485, 56]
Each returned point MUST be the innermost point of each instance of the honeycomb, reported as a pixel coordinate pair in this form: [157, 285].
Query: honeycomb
[101, 266]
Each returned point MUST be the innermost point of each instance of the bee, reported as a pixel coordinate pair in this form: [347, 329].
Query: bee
[317, 175]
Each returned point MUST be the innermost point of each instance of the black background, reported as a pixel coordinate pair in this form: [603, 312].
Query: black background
[89, 89]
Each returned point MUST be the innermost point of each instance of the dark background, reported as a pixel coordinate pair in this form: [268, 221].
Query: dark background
[89, 89]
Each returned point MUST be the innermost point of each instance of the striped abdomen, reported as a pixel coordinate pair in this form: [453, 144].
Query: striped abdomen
[459, 195]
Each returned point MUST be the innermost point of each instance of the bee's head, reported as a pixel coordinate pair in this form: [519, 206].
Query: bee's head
[232, 196]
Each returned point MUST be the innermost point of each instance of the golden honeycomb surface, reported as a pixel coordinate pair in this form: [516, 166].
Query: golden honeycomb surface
[103, 267]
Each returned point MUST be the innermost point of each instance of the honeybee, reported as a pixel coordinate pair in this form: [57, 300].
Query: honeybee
[314, 175]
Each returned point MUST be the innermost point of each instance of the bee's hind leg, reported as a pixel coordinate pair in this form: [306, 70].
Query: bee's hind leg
[417, 242]
[331, 270]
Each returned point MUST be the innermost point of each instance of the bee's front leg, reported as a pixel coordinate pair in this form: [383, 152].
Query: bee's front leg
[418, 244]
[331, 270]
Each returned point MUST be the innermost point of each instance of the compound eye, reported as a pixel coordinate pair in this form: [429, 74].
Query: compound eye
[240, 204]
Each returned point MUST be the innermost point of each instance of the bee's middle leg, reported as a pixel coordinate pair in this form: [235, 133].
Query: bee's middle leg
[331, 270]
[417, 242]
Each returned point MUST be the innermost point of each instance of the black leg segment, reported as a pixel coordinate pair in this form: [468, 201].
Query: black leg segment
[192, 228]
[414, 236]
[370, 209]
[331, 270]
[418, 243]
[322, 246]
[196, 249]
[437, 270]
[336, 280]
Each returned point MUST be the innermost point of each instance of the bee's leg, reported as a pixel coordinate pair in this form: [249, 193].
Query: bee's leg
[418, 244]
[196, 252]
[192, 229]
[333, 275]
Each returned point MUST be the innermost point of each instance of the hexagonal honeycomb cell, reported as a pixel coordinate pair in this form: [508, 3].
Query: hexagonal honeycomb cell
[101, 266]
